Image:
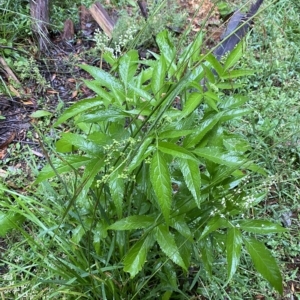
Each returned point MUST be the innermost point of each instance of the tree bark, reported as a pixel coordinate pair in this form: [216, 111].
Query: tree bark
[39, 12]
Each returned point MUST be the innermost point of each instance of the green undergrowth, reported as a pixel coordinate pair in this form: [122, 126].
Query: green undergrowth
[273, 129]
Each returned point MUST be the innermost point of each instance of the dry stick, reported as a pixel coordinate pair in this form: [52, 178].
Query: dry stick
[8, 70]
[143, 8]
[101, 16]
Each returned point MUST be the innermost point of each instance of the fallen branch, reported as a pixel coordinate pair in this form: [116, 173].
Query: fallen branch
[9, 72]
[102, 18]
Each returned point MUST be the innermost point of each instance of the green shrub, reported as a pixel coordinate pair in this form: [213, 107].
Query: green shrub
[153, 185]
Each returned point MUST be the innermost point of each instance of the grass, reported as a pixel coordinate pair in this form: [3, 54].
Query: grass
[274, 133]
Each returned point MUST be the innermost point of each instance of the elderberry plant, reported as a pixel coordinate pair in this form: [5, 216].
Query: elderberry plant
[156, 183]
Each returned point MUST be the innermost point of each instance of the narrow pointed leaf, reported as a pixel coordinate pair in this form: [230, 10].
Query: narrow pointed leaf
[233, 249]
[174, 133]
[233, 56]
[128, 66]
[158, 77]
[234, 113]
[112, 114]
[264, 263]
[215, 63]
[8, 221]
[161, 182]
[91, 170]
[141, 154]
[213, 224]
[193, 101]
[261, 226]
[218, 156]
[103, 77]
[165, 45]
[181, 226]
[191, 174]
[176, 151]
[167, 244]
[79, 108]
[237, 73]
[136, 256]
[205, 126]
[206, 250]
[96, 86]
[116, 187]
[71, 139]
[133, 222]
[61, 166]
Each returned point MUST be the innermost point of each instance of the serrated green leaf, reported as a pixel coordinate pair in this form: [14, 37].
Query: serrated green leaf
[193, 101]
[261, 226]
[191, 174]
[40, 114]
[205, 126]
[237, 73]
[235, 101]
[170, 134]
[213, 224]
[143, 152]
[133, 222]
[107, 80]
[185, 248]
[96, 86]
[77, 234]
[145, 96]
[211, 101]
[176, 151]
[99, 234]
[233, 248]
[233, 56]
[111, 114]
[91, 170]
[100, 138]
[236, 144]
[78, 108]
[80, 142]
[181, 226]
[228, 85]
[127, 66]
[218, 156]
[8, 221]
[234, 113]
[103, 77]
[159, 77]
[165, 45]
[136, 256]
[167, 244]
[206, 250]
[215, 63]
[264, 263]
[209, 75]
[191, 52]
[161, 182]
[116, 187]
[175, 90]
[61, 166]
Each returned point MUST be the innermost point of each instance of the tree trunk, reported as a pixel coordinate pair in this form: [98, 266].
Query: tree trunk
[39, 11]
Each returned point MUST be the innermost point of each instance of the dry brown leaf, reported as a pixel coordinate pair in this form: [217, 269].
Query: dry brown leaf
[74, 94]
